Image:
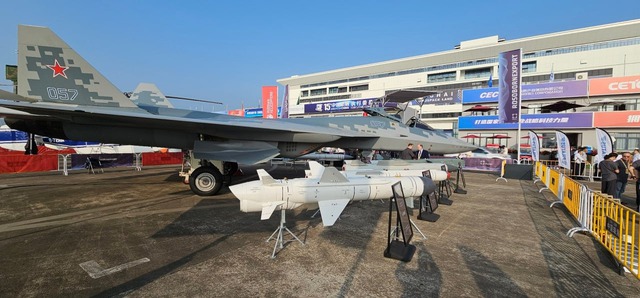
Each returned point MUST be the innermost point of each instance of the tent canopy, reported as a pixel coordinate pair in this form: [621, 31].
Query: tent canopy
[479, 108]
[560, 106]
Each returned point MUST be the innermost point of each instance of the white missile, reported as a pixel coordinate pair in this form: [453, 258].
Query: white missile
[393, 164]
[330, 190]
[315, 170]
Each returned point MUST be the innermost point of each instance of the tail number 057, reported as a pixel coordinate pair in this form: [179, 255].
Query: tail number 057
[62, 93]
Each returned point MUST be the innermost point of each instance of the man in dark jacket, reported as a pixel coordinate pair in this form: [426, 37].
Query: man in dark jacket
[609, 174]
[623, 164]
[407, 153]
[421, 153]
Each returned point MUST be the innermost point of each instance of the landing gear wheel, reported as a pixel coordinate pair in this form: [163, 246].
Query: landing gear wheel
[205, 181]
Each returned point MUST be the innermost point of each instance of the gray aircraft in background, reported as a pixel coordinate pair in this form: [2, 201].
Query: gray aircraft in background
[60, 95]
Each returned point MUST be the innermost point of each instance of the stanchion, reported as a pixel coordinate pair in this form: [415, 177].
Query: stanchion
[504, 162]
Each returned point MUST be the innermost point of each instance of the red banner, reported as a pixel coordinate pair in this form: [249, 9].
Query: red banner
[618, 85]
[10, 163]
[238, 112]
[154, 159]
[616, 119]
[270, 102]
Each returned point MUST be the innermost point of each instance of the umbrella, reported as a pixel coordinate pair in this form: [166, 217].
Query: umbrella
[479, 108]
[471, 137]
[560, 106]
[499, 137]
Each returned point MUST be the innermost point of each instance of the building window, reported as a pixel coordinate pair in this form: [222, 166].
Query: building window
[333, 90]
[441, 77]
[441, 115]
[529, 66]
[626, 141]
[359, 88]
[477, 73]
[315, 92]
[342, 89]
[305, 93]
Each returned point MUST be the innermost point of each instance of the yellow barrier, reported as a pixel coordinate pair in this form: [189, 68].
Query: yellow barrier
[571, 196]
[543, 173]
[615, 226]
[537, 169]
[554, 182]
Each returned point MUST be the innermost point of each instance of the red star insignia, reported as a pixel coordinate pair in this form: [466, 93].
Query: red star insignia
[58, 70]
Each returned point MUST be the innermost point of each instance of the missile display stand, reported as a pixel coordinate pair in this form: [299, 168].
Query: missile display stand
[460, 175]
[280, 235]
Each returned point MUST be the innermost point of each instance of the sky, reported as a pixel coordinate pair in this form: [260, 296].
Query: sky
[227, 50]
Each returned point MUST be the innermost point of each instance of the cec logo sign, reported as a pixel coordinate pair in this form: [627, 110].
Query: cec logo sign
[489, 94]
[620, 85]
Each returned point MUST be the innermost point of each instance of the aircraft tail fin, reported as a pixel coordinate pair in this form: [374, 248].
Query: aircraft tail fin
[50, 70]
[315, 169]
[267, 209]
[148, 94]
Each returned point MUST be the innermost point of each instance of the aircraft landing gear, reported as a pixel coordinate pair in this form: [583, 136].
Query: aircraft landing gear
[206, 181]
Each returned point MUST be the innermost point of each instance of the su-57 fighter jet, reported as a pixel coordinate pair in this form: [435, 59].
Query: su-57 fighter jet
[65, 97]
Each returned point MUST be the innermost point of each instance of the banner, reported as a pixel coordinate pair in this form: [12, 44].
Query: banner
[535, 145]
[509, 69]
[528, 121]
[625, 119]
[338, 106]
[270, 102]
[443, 97]
[564, 155]
[619, 85]
[555, 90]
[236, 112]
[604, 143]
[255, 112]
[285, 103]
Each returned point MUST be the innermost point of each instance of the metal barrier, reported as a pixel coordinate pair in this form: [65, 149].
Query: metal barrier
[570, 196]
[615, 227]
[585, 214]
[606, 219]
[555, 183]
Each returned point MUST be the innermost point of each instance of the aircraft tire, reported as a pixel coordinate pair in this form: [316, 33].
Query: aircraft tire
[206, 181]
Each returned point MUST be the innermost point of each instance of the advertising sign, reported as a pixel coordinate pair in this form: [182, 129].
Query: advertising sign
[564, 155]
[535, 145]
[444, 97]
[255, 113]
[604, 143]
[237, 112]
[529, 121]
[270, 102]
[619, 85]
[285, 103]
[616, 119]
[568, 89]
[338, 106]
[509, 69]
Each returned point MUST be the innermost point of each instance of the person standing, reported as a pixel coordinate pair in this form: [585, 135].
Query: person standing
[636, 155]
[407, 153]
[609, 172]
[635, 171]
[421, 153]
[580, 159]
[624, 168]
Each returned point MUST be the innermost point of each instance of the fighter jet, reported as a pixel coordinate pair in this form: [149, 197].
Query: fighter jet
[67, 98]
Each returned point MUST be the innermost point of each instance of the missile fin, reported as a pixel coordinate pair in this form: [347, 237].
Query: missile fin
[330, 210]
[315, 169]
[332, 175]
[268, 208]
[265, 177]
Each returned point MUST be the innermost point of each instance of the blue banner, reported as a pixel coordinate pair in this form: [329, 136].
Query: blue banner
[535, 145]
[568, 89]
[509, 69]
[256, 112]
[529, 121]
[338, 106]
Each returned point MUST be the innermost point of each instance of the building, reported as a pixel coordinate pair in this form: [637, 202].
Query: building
[597, 69]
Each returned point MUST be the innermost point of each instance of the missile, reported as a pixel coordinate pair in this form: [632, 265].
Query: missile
[437, 175]
[396, 164]
[330, 190]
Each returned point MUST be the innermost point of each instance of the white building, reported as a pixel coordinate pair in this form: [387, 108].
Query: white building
[597, 68]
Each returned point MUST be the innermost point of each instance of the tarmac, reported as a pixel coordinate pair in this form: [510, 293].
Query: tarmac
[144, 234]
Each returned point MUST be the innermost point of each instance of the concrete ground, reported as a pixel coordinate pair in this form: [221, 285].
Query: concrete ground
[144, 234]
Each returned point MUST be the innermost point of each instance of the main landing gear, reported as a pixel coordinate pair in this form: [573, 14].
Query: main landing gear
[204, 176]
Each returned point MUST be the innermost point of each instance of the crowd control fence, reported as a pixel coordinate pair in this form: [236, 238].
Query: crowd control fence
[612, 224]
